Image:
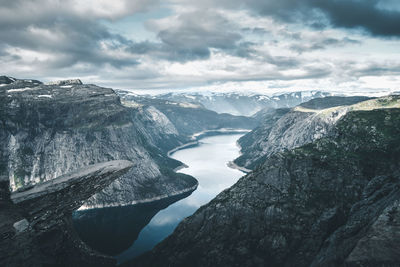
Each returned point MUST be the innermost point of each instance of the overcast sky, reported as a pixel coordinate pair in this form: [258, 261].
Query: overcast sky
[264, 45]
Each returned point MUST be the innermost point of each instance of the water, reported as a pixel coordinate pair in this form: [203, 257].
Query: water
[146, 225]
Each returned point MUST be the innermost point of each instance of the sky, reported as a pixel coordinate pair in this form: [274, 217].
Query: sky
[225, 45]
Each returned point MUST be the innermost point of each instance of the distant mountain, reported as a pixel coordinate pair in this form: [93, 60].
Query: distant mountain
[243, 104]
[189, 118]
[17, 83]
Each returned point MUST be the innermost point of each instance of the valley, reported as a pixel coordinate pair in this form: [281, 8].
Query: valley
[186, 133]
[155, 180]
[207, 162]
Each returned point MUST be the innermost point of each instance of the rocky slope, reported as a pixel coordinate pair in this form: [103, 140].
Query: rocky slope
[282, 129]
[333, 202]
[189, 118]
[242, 104]
[35, 223]
[48, 130]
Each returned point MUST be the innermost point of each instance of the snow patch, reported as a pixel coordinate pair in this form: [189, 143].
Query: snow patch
[46, 96]
[19, 90]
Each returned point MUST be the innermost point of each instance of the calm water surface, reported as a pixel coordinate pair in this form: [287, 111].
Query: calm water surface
[148, 224]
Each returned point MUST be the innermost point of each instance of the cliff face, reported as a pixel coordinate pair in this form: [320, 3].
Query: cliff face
[48, 130]
[35, 224]
[334, 202]
[282, 129]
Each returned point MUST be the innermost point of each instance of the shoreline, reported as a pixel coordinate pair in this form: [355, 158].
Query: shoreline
[197, 136]
[233, 165]
[204, 133]
[142, 201]
[172, 151]
[196, 142]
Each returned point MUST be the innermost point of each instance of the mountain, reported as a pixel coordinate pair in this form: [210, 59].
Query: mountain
[66, 144]
[242, 104]
[332, 202]
[49, 130]
[189, 118]
[281, 129]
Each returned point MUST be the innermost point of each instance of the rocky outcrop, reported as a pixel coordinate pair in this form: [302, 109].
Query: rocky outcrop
[66, 82]
[48, 130]
[333, 202]
[254, 145]
[6, 80]
[35, 222]
[282, 129]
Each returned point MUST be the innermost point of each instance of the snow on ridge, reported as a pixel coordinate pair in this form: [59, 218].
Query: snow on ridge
[20, 90]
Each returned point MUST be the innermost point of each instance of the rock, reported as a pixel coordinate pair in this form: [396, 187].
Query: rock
[66, 82]
[332, 202]
[52, 129]
[43, 234]
[6, 80]
[283, 129]
[21, 226]
[380, 244]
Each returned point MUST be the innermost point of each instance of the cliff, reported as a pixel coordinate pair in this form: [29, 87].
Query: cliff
[35, 223]
[333, 202]
[48, 130]
[282, 129]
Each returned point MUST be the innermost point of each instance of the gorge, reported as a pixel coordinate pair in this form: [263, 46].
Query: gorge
[322, 188]
[107, 229]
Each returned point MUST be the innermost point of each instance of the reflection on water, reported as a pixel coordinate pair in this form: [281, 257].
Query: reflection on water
[208, 164]
[113, 230]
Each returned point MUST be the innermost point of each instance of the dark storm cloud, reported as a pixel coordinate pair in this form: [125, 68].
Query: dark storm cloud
[61, 31]
[68, 40]
[191, 36]
[363, 14]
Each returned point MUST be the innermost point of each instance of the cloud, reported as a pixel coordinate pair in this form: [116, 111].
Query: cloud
[187, 43]
[376, 17]
[351, 14]
[68, 32]
[322, 43]
[190, 36]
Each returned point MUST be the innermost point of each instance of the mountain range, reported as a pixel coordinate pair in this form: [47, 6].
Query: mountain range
[323, 186]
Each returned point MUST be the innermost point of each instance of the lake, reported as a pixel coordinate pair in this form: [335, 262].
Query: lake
[140, 227]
